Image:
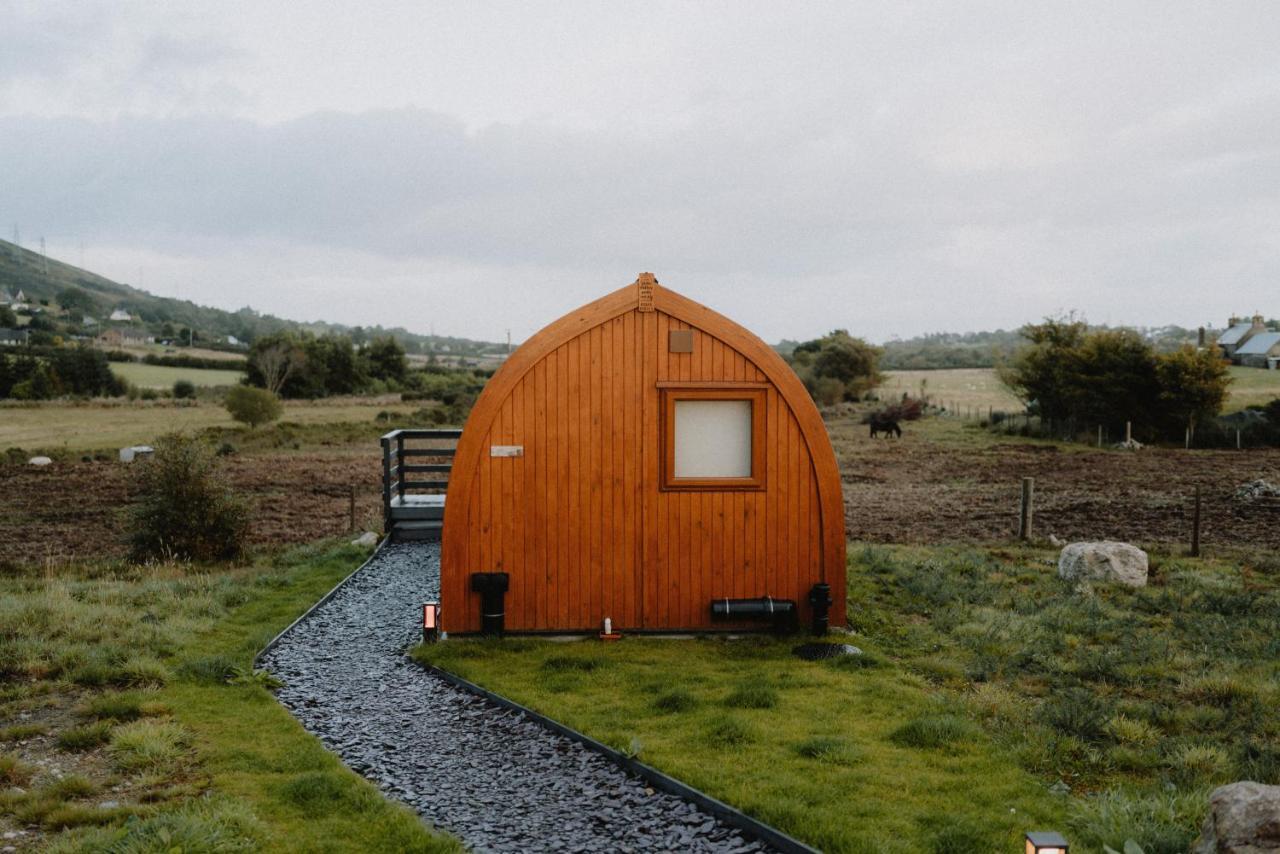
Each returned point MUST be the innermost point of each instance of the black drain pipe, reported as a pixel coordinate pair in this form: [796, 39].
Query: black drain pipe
[492, 587]
[820, 599]
[781, 611]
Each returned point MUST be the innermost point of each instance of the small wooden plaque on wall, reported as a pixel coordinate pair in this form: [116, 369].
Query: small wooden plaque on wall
[680, 341]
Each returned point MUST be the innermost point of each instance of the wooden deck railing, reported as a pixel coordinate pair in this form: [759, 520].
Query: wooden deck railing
[400, 472]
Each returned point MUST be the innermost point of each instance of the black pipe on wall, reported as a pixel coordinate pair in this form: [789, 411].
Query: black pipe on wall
[492, 587]
[820, 599]
[781, 611]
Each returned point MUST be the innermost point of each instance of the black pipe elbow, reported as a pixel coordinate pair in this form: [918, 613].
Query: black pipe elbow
[492, 587]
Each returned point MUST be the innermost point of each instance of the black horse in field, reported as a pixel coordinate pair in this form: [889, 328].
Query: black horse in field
[884, 424]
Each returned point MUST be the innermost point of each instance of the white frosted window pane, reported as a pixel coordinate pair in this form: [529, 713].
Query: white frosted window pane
[713, 438]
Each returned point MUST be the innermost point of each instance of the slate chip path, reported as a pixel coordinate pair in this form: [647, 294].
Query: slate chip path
[491, 776]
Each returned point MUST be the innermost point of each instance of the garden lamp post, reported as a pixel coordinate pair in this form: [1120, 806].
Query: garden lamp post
[1046, 842]
[430, 622]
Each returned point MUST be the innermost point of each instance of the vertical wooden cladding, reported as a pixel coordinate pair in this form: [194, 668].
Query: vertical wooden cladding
[580, 522]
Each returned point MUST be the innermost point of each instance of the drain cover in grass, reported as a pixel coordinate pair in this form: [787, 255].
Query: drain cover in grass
[818, 651]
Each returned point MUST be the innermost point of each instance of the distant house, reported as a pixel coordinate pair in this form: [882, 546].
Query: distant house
[121, 316]
[1238, 332]
[113, 338]
[89, 322]
[13, 337]
[1262, 350]
[233, 341]
[6, 298]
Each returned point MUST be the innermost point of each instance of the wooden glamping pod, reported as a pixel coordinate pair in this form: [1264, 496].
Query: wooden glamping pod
[647, 460]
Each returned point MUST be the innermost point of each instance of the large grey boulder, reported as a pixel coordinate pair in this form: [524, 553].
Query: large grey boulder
[1104, 561]
[1244, 818]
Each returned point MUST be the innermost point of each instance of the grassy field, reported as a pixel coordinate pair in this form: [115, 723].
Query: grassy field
[993, 699]
[75, 428]
[130, 720]
[979, 389]
[158, 376]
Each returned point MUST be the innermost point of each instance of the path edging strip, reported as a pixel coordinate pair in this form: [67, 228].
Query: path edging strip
[659, 780]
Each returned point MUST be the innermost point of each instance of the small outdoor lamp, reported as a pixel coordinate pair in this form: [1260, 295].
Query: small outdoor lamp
[430, 622]
[1046, 842]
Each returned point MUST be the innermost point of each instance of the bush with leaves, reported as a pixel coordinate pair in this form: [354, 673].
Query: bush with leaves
[836, 367]
[186, 508]
[253, 406]
[184, 390]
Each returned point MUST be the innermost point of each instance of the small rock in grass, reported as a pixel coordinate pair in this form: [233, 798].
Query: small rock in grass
[39, 461]
[1104, 561]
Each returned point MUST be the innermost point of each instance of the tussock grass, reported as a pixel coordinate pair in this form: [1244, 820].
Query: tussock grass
[215, 826]
[13, 771]
[933, 732]
[85, 737]
[148, 744]
[752, 695]
[21, 732]
[675, 700]
[123, 707]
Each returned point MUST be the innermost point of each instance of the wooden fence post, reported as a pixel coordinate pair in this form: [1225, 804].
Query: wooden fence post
[1024, 509]
[1195, 527]
[1188, 442]
[1238, 446]
[1128, 433]
[1099, 435]
[352, 508]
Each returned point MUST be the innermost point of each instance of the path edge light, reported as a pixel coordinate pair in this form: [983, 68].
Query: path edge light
[430, 622]
[1046, 842]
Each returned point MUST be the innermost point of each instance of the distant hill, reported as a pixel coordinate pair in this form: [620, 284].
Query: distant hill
[44, 279]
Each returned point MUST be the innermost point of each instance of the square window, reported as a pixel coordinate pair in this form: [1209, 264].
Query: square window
[713, 438]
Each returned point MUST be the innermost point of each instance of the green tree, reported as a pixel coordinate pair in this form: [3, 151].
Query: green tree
[386, 359]
[837, 366]
[8, 320]
[1193, 385]
[184, 389]
[1070, 375]
[186, 509]
[253, 406]
[72, 298]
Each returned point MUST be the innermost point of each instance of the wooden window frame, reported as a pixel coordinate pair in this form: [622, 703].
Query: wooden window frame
[756, 393]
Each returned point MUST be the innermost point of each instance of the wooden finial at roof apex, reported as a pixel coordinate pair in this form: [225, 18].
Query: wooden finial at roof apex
[644, 294]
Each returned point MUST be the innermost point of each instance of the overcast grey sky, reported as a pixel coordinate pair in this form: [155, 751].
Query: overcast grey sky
[891, 168]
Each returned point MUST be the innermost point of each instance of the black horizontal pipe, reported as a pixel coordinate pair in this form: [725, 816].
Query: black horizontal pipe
[765, 606]
[782, 612]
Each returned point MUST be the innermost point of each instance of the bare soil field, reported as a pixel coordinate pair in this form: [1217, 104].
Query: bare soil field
[76, 510]
[945, 482]
[942, 482]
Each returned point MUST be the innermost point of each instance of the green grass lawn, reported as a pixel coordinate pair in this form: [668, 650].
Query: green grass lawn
[159, 376]
[70, 428]
[995, 699]
[846, 757]
[136, 683]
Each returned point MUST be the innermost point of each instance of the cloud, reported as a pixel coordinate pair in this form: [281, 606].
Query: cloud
[893, 172]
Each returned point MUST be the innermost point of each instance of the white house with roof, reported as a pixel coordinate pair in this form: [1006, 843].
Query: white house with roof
[1262, 350]
[1238, 333]
[120, 315]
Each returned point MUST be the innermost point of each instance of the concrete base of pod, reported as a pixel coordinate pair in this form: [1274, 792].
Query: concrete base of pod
[655, 778]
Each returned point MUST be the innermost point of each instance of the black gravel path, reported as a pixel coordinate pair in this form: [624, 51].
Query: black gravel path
[497, 780]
